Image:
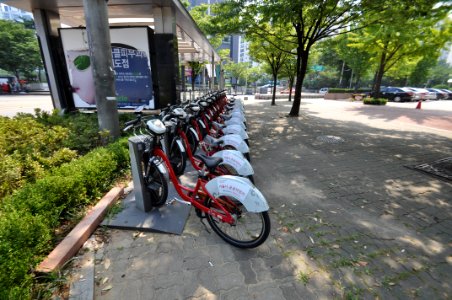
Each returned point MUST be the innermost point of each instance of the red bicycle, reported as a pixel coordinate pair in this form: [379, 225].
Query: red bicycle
[234, 208]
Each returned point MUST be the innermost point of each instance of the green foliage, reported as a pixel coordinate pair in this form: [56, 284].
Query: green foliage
[403, 33]
[30, 145]
[440, 73]
[375, 101]
[237, 70]
[441, 86]
[203, 19]
[83, 129]
[27, 149]
[29, 217]
[19, 51]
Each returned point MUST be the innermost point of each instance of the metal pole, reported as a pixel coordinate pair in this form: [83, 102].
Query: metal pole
[96, 16]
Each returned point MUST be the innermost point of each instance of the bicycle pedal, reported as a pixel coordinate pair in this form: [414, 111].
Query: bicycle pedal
[175, 199]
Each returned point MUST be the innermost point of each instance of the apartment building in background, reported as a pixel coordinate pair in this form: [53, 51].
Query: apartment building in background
[14, 14]
[237, 45]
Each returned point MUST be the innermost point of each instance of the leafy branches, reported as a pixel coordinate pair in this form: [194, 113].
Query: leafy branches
[19, 50]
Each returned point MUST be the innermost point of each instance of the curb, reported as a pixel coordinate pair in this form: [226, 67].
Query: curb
[77, 237]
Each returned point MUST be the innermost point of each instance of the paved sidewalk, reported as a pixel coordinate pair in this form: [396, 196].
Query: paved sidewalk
[349, 221]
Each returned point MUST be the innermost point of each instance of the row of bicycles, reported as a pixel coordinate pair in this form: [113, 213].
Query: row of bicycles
[209, 133]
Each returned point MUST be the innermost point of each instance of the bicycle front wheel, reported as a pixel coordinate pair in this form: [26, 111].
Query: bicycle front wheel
[192, 141]
[178, 159]
[155, 182]
[249, 229]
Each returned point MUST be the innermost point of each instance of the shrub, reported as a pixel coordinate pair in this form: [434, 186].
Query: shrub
[441, 86]
[27, 149]
[29, 217]
[31, 145]
[375, 101]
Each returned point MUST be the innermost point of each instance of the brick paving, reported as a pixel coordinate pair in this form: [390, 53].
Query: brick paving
[349, 221]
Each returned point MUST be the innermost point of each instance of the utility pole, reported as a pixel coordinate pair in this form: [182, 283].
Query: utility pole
[96, 17]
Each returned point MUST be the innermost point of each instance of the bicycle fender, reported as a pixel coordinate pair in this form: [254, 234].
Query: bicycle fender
[238, 115]
[161, 167]
[239, 188]
[202, 124]
[235, 141]
[180, 145]
[236, 160]
[235, 121]
[195, 133]
[235, 129]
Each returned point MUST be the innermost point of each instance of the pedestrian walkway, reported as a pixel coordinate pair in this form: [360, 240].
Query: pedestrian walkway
[349, 220]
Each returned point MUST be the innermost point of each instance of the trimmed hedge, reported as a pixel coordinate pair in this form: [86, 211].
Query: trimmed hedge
[29, 217]
[375, 101]
[30, 145]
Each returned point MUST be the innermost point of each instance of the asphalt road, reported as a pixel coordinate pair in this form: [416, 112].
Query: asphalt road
[10, 105]
[435, 115]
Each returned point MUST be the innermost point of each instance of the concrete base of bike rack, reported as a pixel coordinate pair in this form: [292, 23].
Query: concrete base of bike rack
[169, 218]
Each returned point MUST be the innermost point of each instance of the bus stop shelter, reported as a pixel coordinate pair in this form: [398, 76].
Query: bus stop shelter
[177, 40]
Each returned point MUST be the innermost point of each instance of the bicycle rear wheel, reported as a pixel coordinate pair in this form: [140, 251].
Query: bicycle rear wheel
[155, 182]
[250, 229]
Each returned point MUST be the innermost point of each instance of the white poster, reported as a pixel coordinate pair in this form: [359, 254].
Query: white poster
[131, 63]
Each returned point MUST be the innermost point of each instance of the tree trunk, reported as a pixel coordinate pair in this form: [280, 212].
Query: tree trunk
[357, 80]
[302, 65]
[193, 77]
[275, 78]
[379, 75]
[291, 79]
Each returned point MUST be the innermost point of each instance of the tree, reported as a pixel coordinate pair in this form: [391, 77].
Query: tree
[357, 59]
[255, 74]
[237, 70]
[203, 19]
[440, 73]
[289, 70]
[196, 69]
[304, 22]
[406, 32]
[19, 49]
[274, 58]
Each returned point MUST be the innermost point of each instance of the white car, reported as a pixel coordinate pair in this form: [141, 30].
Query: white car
[422, 94]
[323, 91]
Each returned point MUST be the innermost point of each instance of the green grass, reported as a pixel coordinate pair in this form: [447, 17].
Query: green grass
[303, 277]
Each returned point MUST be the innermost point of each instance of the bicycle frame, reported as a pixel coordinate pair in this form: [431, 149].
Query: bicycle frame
[196, 163]
[199, 190]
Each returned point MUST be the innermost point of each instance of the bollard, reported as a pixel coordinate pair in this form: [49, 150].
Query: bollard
[136, 149]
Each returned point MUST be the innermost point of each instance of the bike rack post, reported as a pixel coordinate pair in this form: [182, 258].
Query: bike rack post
[142, 196]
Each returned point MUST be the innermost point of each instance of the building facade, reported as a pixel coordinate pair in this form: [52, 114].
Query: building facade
[14, 14]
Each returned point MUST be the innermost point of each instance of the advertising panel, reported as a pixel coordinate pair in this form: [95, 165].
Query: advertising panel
[131, 64]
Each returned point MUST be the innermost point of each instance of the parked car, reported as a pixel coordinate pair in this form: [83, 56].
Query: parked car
[396, 94]
[439, 94]
[323, 91]
[422, 94]
[287, 91]
[449, 93]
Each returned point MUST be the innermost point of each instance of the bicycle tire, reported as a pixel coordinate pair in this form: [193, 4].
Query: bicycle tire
[155, 182]
[192, 141]
[247, 156]
[225, 230]
[178, 159]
